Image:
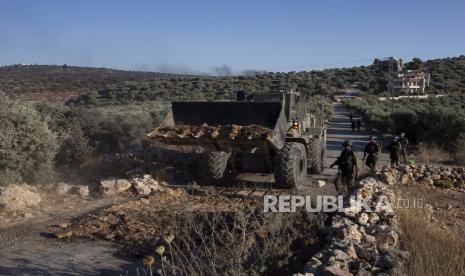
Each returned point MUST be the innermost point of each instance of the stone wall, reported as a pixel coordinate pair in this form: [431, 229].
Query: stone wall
[360, 242]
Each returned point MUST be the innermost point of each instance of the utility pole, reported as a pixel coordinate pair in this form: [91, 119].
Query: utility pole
[390, 90]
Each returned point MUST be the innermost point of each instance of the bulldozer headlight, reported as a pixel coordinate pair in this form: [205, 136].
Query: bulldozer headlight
[295, 125]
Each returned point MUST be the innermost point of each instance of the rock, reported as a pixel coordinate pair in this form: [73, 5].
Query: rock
[109, 236]
[63, 234]
[393, 259]
[363, 218]
[435, 177]
[80, 190]
[369, 238]
[63, 225]
[321, 183]
[387, 239]
[146, 185]
[63, 188]
[405, 179]
[365, 253]
[363, 272]
[142, 189]
[350, 250]
[313, 263]
[340, 255]
[374, 218]
[351, 232]
[144, 201]
[334, 271]
[111, 187]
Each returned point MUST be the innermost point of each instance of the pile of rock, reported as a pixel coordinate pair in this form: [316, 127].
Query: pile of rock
[63, 188]
[144, 185]
[438, 176]
[361, 242]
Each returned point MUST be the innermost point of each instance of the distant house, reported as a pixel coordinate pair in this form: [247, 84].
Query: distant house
[407, 81]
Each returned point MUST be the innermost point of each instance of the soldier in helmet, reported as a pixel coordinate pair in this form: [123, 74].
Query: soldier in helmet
[348, 165]
[371, 154]
[395, 149]
[404, 142]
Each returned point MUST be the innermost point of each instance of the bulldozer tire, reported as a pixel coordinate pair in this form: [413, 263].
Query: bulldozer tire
[290, 166]
[215, 166]
[317, 156]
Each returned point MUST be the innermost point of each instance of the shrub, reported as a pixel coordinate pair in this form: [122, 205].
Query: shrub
[27, 145]
[66, 125]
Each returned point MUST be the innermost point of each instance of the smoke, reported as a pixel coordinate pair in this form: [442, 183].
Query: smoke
[184, 69]
[223, 70]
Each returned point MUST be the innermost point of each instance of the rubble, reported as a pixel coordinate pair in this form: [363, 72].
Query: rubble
[80, 190]
[145, 185]
[362, 243]
[63, 188]
[429, 175]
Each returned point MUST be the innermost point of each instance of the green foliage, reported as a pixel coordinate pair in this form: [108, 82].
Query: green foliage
[436, 121]
[62, 82]
[100, 86]
[27, 145]
[447, 184]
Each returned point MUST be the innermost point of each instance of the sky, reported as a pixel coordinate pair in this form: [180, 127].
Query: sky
[219, 36]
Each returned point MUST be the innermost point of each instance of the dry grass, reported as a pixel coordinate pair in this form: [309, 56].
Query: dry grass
[431, 154]
[18, 198]
[435, 250]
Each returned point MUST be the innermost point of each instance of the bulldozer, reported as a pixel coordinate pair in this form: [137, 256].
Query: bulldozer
[271, 132]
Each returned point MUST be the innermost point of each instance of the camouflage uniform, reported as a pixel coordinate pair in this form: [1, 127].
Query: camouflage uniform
[403, 152]
[395, 149]
[348, 167]
[372, 150]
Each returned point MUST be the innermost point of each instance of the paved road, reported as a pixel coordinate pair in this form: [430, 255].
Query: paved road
[338, 130]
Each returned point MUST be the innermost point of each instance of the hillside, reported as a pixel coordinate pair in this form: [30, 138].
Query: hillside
[447, 76]
[62, 82]
[99, 86]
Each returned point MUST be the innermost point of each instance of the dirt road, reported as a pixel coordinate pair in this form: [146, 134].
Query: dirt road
[339, 129]
[27, 249]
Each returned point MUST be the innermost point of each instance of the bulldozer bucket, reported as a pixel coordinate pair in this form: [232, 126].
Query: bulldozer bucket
[222, 115]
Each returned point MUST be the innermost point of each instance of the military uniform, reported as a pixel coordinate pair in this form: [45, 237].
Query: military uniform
[395, 149]
[372, 150]
[403, 152]
[348, 167]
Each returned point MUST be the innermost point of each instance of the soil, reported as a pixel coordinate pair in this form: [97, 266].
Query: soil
[141, 224]
[27, 246]
[448, 204]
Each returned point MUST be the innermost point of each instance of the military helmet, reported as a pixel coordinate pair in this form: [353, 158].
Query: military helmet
[396, 138]
[402, 134]
[347, 143]
[371, 137]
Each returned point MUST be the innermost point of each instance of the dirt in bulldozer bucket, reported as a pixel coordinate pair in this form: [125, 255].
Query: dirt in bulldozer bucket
[205, 133]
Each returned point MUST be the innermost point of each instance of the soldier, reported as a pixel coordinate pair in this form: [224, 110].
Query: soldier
[348, 167]
[394, 149]
[351, 117]
[359, 124]
[372, 149]
[404, 142]
[353, 125]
